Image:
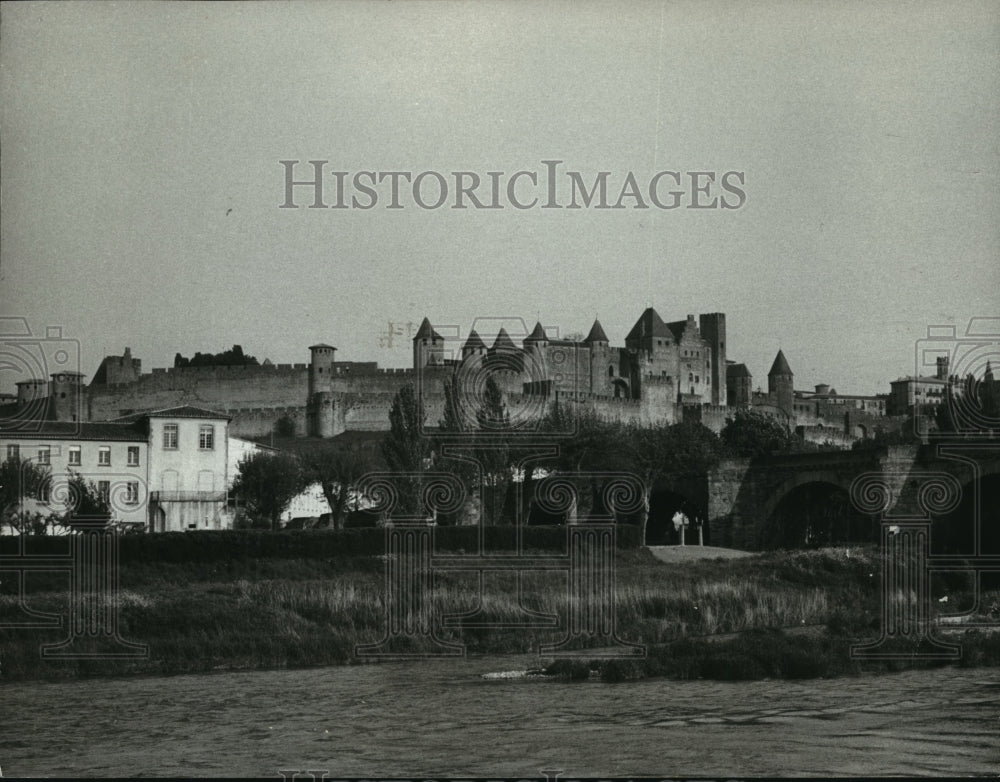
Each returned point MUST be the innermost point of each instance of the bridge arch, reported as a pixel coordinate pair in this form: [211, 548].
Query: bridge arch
[976, 515]
[813, 508]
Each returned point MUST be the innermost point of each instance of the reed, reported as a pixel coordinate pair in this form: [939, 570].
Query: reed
[775, 614]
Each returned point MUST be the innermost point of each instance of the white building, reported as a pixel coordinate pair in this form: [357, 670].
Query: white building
[166, 470]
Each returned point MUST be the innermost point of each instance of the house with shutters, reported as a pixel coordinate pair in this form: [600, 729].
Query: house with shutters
[165, 470]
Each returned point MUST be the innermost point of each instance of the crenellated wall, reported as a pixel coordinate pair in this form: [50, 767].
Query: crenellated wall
[215, 388]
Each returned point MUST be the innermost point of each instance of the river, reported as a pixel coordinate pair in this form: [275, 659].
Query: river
[440, 718]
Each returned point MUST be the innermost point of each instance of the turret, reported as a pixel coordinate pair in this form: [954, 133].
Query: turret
[31, 392]
[597, 335]
[474, 346]
[780, 383]
[428, 347]
[649, 333]
[942, 368]
[321, 366]
[739, 385]
[713, 330]
[65, 395]
[537, 337]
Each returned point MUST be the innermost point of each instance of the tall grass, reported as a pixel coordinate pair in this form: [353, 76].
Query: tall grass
[267, 612]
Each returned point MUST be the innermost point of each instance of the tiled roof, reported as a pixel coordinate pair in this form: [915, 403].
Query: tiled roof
[183, 411]
[72, 430]
[780, 366]
[737, 370]
[650, 324]
[596, 333]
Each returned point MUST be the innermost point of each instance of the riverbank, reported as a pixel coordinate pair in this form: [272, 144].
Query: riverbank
[778, 614]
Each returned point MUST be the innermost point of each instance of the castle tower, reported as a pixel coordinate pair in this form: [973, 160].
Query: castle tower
[537, 338]
[65, 396]
[116, 370]
[319, 405]
[322, 414]
[428, 347]
[649, 333]
[321, 367]
[713, 330]
[474, 346]
[739, 385]
[942, 368]
[31, 393]
[779, 383]
[603, 372]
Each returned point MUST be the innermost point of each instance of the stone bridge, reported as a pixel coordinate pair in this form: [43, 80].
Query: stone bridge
[781, 500]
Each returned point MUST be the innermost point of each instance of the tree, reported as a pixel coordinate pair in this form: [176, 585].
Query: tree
[494, 422]
[752, 434]
[336, 468]
[20, 479]
[405, 449]
[453, 423]
[266, 482]
[87, 501]
[662, 451]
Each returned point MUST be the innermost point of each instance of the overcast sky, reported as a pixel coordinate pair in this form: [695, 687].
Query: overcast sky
[141, 177]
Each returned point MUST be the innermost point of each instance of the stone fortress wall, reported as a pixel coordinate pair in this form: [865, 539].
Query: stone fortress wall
[665, 373]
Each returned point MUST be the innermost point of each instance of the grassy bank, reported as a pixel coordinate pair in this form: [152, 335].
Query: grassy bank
[777, 614]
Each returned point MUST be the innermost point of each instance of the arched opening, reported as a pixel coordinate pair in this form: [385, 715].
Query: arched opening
[660, 529]
[817, 513]
[954, 532]
[611, 371]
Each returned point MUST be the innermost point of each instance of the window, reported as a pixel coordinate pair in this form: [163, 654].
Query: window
[43, 492]
[14, 452]
[206, 437]
[170, 436]
[104, 456]
[74, 455]
[133, 456]
[104, 490]
[132, 493]
[43, 455]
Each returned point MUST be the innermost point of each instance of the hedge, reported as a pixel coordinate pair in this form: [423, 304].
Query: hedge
[210, 545]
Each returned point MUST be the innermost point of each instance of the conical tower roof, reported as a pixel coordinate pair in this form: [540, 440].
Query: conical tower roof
[596, 333]
[650, 324]
[503, 341]
[474, 342]
[426, 331]
[537, 334]
[780, 366]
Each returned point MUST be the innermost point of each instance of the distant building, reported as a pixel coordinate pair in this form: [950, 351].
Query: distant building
[918, 391]
[666, 372]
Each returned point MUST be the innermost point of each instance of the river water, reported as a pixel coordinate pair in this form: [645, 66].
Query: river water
[440, 718]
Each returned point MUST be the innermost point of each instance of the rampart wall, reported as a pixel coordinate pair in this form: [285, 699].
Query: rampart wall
[220, 388]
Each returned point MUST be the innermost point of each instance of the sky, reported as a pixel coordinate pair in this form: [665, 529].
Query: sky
[140, 149]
